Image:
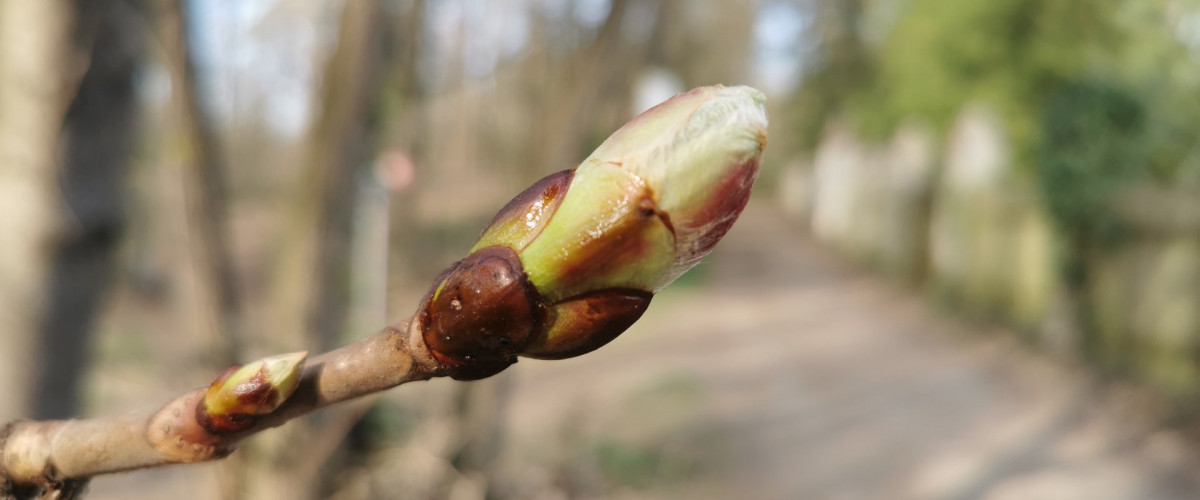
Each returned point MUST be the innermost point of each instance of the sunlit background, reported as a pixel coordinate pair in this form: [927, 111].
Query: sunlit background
[971, 267]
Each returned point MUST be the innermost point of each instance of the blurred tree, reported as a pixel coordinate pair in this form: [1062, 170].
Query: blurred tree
[35, 86]
[883, 61]
[842, 67]
[312, 277]
[312, 282]
[1098, 100]
[205, 190]
[56, 282]
[98, 139]
[1159, 63]
[941, 54]
[589, 82]
[705, 42]
[1091, 145]
[1091, 142]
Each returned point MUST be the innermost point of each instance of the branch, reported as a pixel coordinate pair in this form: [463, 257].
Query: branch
[563, 269]
[51, 452]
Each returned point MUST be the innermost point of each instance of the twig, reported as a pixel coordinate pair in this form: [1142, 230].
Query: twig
[52, 453]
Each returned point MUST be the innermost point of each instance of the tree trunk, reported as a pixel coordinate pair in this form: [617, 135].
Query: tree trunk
[204, 177]
[34, 85]
[312, 287]
[608, 63]
[312, 280]
[98, 138]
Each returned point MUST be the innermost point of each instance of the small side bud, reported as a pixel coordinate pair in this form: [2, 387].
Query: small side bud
[246, 391]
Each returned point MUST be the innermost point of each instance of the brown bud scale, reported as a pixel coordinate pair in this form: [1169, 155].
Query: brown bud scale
[523, 218]
[484, 313]
[587, 322]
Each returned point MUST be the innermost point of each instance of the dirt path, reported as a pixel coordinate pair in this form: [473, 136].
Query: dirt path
[795, 376]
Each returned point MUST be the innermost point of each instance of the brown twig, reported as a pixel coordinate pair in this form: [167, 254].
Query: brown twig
[50, 454]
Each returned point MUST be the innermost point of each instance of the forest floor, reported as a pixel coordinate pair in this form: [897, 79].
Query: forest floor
[782, 372]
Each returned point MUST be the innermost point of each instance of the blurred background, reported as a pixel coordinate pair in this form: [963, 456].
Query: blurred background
[971, 268]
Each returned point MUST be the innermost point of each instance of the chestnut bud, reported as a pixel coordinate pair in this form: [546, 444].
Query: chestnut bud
[574, 260]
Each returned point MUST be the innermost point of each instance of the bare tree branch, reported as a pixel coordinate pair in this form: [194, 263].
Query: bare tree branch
[51, 452]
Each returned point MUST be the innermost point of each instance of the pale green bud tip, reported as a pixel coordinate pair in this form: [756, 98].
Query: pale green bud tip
[699, 155]
[256, 388]
[690, 162]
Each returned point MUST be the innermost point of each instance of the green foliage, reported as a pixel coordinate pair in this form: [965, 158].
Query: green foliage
[1173, 135]
[842, 69]
[1165, 72]
[1092, 140]
[928, 58]
[942, 54]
